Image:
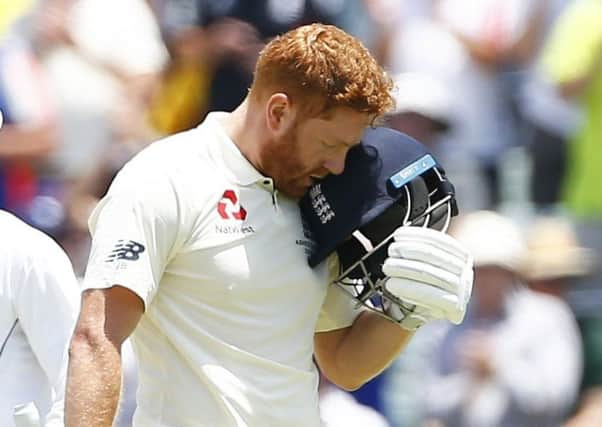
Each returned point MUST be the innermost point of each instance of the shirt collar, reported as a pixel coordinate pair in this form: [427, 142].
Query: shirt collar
[226, 152]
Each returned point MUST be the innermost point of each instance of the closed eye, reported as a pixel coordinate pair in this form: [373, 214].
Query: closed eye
[328, 145]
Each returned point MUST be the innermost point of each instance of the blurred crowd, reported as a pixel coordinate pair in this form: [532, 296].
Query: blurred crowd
[506, 93]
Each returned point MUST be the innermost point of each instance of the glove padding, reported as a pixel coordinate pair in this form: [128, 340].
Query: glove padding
[430, 274]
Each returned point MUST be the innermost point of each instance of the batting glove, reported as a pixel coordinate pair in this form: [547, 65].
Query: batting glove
[430, 276]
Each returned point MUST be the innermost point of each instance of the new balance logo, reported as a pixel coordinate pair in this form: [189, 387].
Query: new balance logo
[229, 207]
[126, 250]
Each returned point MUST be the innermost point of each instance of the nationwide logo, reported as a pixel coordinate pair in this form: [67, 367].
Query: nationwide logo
[234, 229]
[126, 250]
[229, 208]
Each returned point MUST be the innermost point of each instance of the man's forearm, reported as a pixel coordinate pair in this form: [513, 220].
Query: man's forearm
[371, 344]
[352, 356]
[93, 384]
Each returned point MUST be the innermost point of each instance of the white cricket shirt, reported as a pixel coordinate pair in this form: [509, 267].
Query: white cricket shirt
[39, 303]
[231, 305]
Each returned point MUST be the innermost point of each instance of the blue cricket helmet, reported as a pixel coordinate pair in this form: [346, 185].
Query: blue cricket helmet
[389, 180]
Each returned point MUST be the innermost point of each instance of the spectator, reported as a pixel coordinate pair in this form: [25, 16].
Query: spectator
[234, 33]
[516, 359]
[423, 108]
[28, 138]
[469, 49]
[549, 120]
[182, 99]
[554, 262]
[554, 256]
[112, 52]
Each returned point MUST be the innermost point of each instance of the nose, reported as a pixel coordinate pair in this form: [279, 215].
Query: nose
[336, 164]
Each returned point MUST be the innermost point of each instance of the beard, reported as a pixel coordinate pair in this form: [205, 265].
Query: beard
[282, 163]
[295, 188]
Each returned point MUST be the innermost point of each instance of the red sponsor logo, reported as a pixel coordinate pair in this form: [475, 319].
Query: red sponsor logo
[229, 207]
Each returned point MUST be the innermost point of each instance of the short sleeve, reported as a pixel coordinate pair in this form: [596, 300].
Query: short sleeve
[575, 43]
[134, 233]
[339, 309]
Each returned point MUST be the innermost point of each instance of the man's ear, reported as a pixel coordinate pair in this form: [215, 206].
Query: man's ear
[280, 114]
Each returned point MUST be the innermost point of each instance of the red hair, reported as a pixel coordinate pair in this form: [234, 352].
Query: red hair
[321, 64]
